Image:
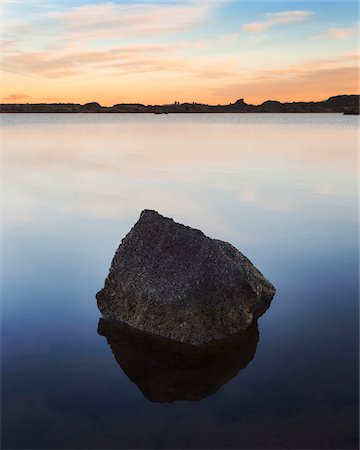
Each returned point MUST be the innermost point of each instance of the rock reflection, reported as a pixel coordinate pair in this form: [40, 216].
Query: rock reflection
[168, 371]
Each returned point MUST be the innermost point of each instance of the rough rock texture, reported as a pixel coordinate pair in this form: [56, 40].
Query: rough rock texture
[167, 371]
[172, 280]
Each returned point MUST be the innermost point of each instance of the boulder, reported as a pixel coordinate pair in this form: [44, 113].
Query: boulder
[172, 280]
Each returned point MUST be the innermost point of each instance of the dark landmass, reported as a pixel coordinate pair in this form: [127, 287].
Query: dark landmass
[348, 104]
[173, 281]
[168, 371]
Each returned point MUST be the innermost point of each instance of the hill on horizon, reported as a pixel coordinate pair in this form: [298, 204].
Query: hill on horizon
[335, 104]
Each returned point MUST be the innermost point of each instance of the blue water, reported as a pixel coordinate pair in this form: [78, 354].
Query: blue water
[281, 188]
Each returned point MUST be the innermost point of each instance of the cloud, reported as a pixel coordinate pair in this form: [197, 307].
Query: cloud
[7, 45]
[51, 99]
[39, 63]
[309, 81]
[227, 38]
[274, 19]
[83, 40]
[15, 97]
[149, 52]
[111, 19]
[124, 59]
[273, 202]
[314, 65]
[72, 41]
[337, 33]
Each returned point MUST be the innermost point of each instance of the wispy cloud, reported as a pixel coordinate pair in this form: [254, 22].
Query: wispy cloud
[112, 19]
[278, 203]
[156, 51]
[337, 33]
[310, 80]
[50, 99]
[15, 97]
[124, 59]
[7, 45]
[79, 40]
[103, 26]
[39, 63]
[275, 19]
[307, 66]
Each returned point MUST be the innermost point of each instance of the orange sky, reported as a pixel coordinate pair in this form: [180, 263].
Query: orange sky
[210, 52]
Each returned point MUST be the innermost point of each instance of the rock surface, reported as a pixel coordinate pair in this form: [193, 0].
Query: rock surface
[173, 281]
[167, 371]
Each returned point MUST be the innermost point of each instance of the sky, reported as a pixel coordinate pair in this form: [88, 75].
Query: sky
[158, 52]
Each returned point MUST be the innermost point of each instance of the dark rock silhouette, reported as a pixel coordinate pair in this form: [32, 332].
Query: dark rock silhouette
[336, 104]
[173, 281]
[167, 371]
[353, 110]
[92, 107]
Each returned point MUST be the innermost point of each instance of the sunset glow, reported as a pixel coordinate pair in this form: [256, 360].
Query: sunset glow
[165, 51]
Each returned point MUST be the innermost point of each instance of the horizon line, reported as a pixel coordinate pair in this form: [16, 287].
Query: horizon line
[239, 100]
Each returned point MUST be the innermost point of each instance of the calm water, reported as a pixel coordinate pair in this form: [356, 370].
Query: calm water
[281, 188]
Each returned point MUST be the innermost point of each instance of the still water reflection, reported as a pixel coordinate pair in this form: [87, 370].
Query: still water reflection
[168, 371]
[281, 188]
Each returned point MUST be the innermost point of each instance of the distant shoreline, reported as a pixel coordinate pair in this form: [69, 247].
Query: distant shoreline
[347, 104]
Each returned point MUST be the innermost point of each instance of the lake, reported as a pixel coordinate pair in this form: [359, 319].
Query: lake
[281, 188]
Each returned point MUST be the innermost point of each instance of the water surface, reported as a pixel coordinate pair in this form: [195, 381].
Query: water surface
[281, 188]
